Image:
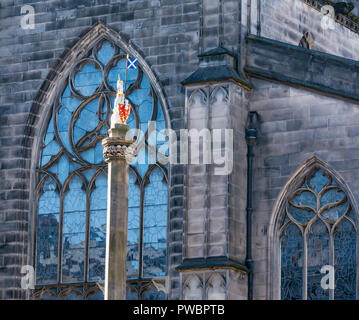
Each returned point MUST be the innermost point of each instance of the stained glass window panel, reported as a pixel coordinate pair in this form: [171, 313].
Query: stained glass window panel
[155, 221]
[318, 181]
[345, 261]
[78, 122]
[133, 232]
[152, 293]
[97, 232]
[47, 233]
[321, 199]
[318, 256]
[291, 263]
[74, 224]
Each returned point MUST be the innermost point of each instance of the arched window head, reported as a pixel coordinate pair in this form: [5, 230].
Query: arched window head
[71, 175]
[316, 237]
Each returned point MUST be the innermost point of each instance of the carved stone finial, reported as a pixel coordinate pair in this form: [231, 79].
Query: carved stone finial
[122, 108]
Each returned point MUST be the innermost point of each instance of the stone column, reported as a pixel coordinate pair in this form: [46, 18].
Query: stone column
[214, 247]
[118, 152]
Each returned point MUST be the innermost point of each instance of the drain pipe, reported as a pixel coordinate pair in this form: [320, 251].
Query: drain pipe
[251, 138]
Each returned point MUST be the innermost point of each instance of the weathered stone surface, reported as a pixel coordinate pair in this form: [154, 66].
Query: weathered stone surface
[295, 123]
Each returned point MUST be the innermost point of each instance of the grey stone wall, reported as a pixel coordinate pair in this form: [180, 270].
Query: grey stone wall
[295, 125]
[165, 32]
[288, 20]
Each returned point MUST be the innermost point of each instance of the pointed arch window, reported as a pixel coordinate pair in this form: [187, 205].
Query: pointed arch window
[71, 183]
[318, 229]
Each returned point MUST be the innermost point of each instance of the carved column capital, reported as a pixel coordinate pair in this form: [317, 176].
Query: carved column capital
[118, 151]
[117, 146]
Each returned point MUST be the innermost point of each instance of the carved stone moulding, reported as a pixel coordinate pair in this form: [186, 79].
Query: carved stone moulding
[349, 21]
[115, 149]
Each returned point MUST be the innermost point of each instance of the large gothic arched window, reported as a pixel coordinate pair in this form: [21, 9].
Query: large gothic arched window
[71, 183]
[318, 229]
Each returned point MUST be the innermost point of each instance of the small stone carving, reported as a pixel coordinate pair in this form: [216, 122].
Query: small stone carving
[119, 151]
[343, 7]
[307, 41]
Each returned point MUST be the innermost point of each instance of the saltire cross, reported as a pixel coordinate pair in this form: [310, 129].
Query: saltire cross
[132, 63]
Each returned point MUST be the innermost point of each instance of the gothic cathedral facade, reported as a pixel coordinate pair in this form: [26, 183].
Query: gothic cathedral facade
[263, 211]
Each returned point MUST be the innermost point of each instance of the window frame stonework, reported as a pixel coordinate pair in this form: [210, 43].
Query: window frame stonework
[279, 213]
[48, 94]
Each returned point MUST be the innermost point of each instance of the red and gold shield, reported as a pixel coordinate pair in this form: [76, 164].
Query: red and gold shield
[124, 112]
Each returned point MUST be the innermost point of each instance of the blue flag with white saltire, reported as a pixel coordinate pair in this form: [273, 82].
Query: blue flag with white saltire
[132, 63]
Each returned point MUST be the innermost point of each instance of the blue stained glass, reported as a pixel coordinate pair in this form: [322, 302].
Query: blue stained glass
[305, 198]
[141, 162]
[155, 234]
[345, 261]
[351, 215]
[131, 294]
[99, 153]
[291, 263]
[87, 121]
[63, 119]
[331, 196]
[154, 260]
[156, 191]
[332, 206]
[133, 226]
[51, 149]
[106, 52]
[145, 83]
[145, 112]
[318, 256]
[63, 168]
[160, 115]
[66, 93]
[47, 233]
[50, 133]
[92, 106]
[64, 136]
[88, 79]
[153, 294]
[119, 69]
[97, 295]
[133, 191]
[155, 221]
[45, 160]
[139, 96]
[89, 155]
[70, 103]
[89, 173]
[154, 213]
[301, 215]
[97, 239]
[74, 232]
[333, 214]
[132, 75]
[160, 125]
[319, 181]
[78, 134]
